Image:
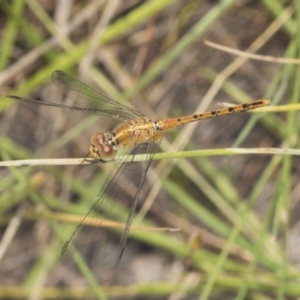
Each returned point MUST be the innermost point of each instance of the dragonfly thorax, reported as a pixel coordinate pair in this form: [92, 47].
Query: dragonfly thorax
[137, 131]
[103, 146]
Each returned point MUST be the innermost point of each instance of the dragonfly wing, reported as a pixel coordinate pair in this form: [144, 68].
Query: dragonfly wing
[95, 101]
[150, 149]
[124, 181]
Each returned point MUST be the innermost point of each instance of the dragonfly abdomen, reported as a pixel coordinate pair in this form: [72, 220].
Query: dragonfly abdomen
[171, 123]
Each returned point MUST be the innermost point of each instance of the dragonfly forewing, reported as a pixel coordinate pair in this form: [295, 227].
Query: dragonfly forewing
[87, 97]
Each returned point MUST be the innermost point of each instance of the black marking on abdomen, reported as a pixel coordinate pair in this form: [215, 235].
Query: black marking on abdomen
[157, 125]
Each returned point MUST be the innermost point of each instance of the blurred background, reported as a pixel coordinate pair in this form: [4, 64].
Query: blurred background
[238, 215]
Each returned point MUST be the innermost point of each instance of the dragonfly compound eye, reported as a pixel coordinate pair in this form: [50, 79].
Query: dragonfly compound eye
[100, 148]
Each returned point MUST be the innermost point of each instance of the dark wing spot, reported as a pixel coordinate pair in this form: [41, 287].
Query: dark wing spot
[213, 113]
[245, 105]
[178, 120]
[195, 117]
[230, 109]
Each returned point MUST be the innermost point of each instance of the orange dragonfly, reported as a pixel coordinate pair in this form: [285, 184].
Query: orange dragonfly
[133, 133]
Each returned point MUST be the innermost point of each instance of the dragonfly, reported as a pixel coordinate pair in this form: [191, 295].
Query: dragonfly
[133, 133]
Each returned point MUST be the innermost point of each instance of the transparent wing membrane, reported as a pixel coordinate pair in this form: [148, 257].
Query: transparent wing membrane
[124, 181]
[86, 97]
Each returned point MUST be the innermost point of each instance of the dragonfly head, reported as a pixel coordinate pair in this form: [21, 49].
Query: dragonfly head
[100, 147]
